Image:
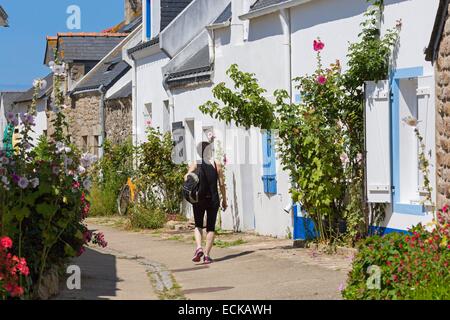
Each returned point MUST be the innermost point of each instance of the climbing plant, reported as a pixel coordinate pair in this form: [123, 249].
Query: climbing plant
[321, 139]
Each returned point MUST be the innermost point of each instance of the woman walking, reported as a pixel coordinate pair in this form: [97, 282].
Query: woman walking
[211, 176]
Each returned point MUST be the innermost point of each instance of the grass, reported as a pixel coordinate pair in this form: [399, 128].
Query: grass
[176, 238]
[226, 244]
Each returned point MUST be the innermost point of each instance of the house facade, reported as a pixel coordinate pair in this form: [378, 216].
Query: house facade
[273, 39]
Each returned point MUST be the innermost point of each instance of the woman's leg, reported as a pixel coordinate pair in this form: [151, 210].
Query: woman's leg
[211, 219]
[199, 214]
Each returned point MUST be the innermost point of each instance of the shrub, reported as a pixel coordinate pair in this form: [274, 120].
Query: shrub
[413, 265]
[147, 217]
[104, 201]
[159, 175]
[109, 175]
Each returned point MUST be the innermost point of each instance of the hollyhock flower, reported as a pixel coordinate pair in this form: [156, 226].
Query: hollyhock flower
[344, 158]
[60, 147]
[81, 170]
[34, 182]
[6, 243]
[5, 160]
[23, 183]
[359, 157]
[81, 251]
[318, 45]
[55, 170]
[76, 185]
[87, 160]
[5, 181]
[87, 184]
[321, 80]
[3, 171]
[17, 292]
[10, 117]
[15, 178]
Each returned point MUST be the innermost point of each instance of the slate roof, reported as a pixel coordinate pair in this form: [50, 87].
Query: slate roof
[125, 92]
[261, 4]
[28, 95]
[87, 46]
[224, 16]
[10, 97]
[196, 68]
[106, 74]
[436, 35]
[3, 16]
[170, 9]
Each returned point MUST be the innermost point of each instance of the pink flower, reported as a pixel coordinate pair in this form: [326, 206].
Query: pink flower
[321, 80]
[318, 45]
[6, 243]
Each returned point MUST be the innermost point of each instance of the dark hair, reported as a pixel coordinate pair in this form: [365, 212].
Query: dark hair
[202, 147]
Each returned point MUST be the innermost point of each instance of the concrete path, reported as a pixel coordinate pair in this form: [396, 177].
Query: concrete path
[272, 270]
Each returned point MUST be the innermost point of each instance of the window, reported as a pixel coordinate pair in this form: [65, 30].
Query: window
[85, 143]
[166, 116]
[148, 115]
[96, 145]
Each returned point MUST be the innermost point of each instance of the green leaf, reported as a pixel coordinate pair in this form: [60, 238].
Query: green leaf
[47, 210]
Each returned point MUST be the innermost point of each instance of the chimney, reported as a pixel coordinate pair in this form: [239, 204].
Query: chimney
[239, 28]
[133, 9]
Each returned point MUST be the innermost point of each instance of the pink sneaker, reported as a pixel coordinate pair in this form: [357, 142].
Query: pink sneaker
[207, 260]
[198, 255]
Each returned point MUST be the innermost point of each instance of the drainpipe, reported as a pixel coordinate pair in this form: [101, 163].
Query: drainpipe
[285, 16]
[102, 90]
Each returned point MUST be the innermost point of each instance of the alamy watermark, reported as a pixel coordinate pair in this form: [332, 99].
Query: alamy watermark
[74, 280]
[74, 20]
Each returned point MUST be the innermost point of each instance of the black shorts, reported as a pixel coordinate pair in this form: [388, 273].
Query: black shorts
[211, 210]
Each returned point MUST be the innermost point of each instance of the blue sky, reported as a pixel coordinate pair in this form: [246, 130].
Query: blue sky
[22, 45]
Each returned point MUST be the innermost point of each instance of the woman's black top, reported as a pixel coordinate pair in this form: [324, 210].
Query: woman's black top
[210, 178]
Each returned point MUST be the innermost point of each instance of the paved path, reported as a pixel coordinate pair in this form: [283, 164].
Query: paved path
[266, 270]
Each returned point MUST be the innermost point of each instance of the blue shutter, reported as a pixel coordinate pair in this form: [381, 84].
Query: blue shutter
[148, 19]
[269, 163]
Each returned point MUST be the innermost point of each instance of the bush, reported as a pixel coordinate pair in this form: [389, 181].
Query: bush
[147, 217]
[109, 175]
[413, 265]
[104, 201]
[159, 175]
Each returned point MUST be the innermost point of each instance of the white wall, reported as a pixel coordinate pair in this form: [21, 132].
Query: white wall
[337, 24]
[150, 91]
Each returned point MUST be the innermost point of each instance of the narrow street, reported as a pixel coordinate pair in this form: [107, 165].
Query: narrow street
[141, 266]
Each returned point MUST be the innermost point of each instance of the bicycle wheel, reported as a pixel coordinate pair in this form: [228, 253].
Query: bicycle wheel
[123, 200]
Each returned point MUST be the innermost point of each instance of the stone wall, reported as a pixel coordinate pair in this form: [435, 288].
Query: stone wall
[118, 120]
[83, 119]
[442, 66]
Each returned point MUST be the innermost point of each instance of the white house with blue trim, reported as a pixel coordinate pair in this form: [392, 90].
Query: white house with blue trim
[273, 39]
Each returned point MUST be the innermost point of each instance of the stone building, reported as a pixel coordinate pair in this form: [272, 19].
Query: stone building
[96, 81]
[438, 52]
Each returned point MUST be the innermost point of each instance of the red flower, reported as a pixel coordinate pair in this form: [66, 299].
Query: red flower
[318, 45]
[321, 80]
[6, 243]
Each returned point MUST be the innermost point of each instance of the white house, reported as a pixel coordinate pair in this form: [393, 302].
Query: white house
[23, 103]
[6, 105]
[273, 39]
[3, 18]
[147, 59]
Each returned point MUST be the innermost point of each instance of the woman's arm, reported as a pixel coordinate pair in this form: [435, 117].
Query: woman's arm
[192, 168]
[223, 189]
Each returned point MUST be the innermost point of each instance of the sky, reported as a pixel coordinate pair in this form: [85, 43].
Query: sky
[22, 45]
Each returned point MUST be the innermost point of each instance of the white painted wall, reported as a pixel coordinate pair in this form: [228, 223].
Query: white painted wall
[149, 91]
[337, 24]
